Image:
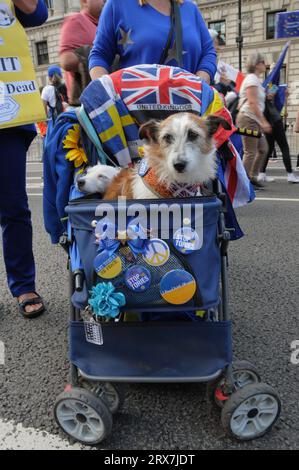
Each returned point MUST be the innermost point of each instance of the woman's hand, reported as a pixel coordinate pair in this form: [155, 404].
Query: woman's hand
[98, 72]
[223, 79]
[26, 6]
[204, 75]
[266, 127]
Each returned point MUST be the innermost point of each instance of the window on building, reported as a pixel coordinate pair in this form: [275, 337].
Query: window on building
[50, 4]
[42, 53]
[220, 27]
[270, 27]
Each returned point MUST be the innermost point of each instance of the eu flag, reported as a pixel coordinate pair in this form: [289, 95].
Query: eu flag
[274, 76]
[287, 24]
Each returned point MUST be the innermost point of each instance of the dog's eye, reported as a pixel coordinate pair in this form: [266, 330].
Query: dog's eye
[168, 138]
[192, 136]
[102, 177]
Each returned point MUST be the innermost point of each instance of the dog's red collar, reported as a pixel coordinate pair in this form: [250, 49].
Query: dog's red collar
[162, 190]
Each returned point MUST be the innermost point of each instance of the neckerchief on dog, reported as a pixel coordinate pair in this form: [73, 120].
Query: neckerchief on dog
[161, 189]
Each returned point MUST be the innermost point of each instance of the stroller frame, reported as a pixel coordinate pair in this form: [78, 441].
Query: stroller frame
[229, 387]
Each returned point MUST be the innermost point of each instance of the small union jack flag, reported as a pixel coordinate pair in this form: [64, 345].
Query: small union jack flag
[158, 87]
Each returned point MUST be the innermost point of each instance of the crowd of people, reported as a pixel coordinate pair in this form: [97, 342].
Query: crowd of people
[104, 36]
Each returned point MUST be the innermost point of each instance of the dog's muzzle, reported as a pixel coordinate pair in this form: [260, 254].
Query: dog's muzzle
[80, 183]
[180, 167]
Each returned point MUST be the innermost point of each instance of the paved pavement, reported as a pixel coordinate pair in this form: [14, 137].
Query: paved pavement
[264, 274]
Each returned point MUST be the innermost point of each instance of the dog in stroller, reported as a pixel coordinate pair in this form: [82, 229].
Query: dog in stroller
[179, 151]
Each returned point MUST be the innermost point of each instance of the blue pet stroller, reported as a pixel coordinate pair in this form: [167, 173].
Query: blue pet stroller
[153, 308]
[161, 342]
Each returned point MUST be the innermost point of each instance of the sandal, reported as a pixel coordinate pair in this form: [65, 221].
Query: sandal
[32, 301]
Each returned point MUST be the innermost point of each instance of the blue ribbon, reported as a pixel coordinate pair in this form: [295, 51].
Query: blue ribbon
[137, 241]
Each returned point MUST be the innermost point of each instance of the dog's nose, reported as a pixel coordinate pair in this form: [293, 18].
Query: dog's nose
[180, 167]
[80, 183]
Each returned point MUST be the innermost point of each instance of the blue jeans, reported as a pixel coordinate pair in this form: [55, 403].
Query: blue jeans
[15, 216]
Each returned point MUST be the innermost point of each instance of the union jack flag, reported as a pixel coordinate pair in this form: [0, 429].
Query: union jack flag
[158, 87]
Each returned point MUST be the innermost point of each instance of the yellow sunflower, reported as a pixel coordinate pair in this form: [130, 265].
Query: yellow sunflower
[72, 141]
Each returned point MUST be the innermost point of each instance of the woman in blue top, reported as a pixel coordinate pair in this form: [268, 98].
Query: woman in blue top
[137, 30]
[15, 215]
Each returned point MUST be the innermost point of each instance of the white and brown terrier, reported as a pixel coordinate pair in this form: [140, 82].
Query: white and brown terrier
[179, 157]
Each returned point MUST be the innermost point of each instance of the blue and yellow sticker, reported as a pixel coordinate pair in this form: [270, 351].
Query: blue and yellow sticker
[177, 287]
[107, 266]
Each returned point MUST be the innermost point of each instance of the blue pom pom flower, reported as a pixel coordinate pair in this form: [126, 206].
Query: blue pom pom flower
[105, 301]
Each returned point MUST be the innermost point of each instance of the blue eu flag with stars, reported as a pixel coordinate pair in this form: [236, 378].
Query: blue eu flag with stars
[287, 24]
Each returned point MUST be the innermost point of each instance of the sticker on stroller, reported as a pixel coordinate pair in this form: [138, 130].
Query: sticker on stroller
[177, 287]
[138, 278]
[156, 252]
[107, 266]
[93, 332]
[186, 240]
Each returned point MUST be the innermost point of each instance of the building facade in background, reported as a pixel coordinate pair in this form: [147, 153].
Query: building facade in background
[258, 28]
[258, 25]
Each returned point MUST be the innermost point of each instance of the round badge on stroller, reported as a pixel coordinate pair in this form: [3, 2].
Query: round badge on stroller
[138, 278]
[107, 266]
[186, 240]
[156, 253]
[177, 287]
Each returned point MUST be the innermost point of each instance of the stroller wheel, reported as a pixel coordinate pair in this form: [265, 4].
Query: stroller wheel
[113, 394]
[83, 416]
[251, 411]
[244, 373]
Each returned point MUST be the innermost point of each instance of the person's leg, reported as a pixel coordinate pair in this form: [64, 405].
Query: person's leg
[261, 156]
[281, 139]
[250, 144]
[15, 215]
[271, 145]
[274, 156]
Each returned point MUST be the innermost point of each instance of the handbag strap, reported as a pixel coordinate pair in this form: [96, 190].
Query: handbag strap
[175, 26]
[178, 33]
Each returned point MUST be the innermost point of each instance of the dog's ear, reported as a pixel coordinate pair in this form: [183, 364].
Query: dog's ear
[213, 122]
[149, 131]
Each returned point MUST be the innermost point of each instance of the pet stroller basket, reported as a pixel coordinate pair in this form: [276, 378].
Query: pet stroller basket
[161, 347]
[203, 263]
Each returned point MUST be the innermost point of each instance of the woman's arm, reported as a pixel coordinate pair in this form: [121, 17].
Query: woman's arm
[31, 13]
[252, 100]
[45, 103]
[26, 6]
[104, 47]
[204, 75]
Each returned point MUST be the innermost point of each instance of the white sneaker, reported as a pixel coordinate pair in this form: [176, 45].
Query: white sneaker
[262, 177]
[292, 178]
